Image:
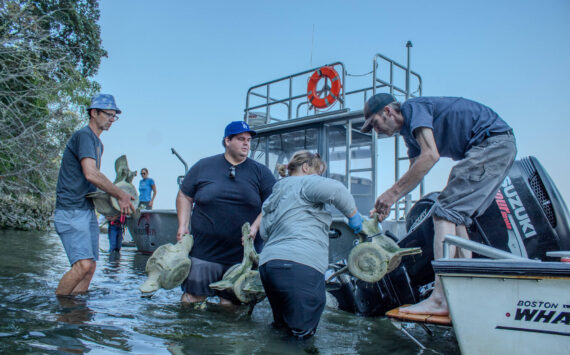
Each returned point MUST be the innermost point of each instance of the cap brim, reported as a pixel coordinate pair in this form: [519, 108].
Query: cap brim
[116, 109]
[253, 133]
[367, 126]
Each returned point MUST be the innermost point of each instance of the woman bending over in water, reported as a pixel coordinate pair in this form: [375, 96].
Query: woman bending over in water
[295, 228]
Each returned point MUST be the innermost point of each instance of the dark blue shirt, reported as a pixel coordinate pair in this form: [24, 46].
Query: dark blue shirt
[222, 204]
[457, 124]
[72, 186]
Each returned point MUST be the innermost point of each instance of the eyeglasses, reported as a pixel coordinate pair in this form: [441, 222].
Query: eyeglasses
[143, 173]
[112, 116]
[232, 172]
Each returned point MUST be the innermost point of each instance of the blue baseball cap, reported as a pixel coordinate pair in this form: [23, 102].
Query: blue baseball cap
[237, 127]
[104, 102]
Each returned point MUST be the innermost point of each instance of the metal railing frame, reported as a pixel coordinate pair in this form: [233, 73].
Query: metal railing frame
[406, 91]
[377, 83]
[289, 100]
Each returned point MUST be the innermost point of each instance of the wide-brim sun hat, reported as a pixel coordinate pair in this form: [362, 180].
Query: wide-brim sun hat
[104, 102]
[374, 104]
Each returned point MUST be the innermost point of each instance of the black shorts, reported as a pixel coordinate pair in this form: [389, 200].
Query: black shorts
[296, 293]
[202, 274]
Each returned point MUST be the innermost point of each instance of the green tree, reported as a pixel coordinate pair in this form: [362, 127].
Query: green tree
[48, 51]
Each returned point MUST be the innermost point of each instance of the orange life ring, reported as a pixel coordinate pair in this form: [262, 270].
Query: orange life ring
[325, 102]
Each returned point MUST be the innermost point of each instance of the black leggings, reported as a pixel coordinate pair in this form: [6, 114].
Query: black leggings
[296, 293]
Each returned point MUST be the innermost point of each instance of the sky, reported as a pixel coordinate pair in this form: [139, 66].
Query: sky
[180, 69]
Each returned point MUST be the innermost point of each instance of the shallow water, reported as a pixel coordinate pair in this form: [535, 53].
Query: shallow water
[113, 318]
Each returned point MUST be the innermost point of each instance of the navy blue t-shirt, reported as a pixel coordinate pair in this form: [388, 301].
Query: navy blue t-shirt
[457, 124]
[72, 186]
[222, 204]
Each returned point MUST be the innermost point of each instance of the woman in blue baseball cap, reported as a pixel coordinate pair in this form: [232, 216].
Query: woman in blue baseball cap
[218, 195]
[237, 127]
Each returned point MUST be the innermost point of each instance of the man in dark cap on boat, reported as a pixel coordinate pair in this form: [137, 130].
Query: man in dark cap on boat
[79, 174]
[457, 128]
[220, 193]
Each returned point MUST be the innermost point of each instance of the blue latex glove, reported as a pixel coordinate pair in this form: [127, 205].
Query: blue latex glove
[355, 222]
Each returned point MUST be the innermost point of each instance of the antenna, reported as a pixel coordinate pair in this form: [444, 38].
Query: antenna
[312, 44]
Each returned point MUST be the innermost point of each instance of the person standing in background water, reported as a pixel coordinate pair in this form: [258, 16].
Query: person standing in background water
[115, 233]
[146, 188]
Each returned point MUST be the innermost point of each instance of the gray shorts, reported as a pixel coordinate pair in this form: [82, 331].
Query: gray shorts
[79, 233]
[144, 205]
[474, 181]
[202, 274]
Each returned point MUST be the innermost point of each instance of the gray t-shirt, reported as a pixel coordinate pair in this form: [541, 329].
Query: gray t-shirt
[295, 223]
[457, 124]
[72, 186]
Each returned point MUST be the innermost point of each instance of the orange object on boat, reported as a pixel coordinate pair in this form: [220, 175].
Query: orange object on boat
[333, 76]
[418, 318]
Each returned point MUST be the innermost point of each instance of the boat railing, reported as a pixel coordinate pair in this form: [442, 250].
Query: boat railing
[180, 178]
[478, 248]
[385, 74]
[279, 104]
[292, 96]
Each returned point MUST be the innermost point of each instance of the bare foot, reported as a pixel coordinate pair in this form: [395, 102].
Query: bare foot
[189, 298]
[431, 305]
[225, 302]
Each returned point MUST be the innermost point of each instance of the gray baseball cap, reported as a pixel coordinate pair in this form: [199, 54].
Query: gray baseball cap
[104, 102]
[374, 104]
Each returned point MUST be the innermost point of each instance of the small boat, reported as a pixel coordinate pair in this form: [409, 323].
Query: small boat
[153, 228]
[510, 305]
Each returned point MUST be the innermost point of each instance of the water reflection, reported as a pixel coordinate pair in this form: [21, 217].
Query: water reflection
[113, 317]
[139, 262]
[74, 310]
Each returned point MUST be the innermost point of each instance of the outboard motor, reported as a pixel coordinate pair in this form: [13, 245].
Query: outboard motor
[528, 218]
[531, 212]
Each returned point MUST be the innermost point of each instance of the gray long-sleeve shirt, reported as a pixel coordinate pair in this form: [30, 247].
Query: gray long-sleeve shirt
[295, 223]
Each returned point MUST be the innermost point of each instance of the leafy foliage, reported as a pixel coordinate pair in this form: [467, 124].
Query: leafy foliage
[48, 51]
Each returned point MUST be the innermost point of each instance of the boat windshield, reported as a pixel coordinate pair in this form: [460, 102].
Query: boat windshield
[278, 147]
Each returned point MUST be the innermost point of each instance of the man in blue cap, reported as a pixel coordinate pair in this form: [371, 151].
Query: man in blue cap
[79, 174]
[452, 127]
[219, 194]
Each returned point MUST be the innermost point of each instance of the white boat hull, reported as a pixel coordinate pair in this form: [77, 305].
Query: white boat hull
[511, 311]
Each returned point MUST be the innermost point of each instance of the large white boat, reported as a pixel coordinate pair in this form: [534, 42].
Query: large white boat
[528, 217]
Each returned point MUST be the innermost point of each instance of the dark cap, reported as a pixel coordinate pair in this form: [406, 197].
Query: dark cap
[237, 127]
[374, 104]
